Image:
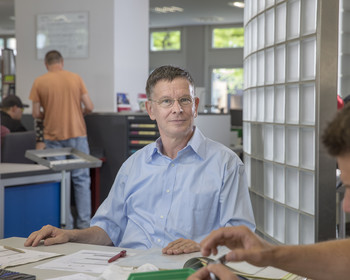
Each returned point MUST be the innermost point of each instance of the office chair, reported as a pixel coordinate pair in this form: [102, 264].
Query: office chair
[15, 145]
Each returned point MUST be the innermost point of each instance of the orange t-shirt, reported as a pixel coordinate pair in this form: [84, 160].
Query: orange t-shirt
[59, 93]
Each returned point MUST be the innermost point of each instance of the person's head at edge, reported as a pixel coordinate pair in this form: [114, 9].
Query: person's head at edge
[13, 106]
[172, 103]
[336, 138]
[53, 59]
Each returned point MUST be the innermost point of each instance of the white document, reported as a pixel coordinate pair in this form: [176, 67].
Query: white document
[123, 272]
[77, 276]
[268, 272]
[157, 258]
[10, 258]
[87, 261]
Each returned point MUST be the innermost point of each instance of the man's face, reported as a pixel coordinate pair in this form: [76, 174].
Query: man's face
[344, 166]
[17, 112]
[177, 120]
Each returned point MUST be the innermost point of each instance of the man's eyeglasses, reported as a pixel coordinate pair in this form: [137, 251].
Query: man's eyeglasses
[169, 102]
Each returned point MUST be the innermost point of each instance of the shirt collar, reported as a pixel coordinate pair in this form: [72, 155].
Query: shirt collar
[196, 143]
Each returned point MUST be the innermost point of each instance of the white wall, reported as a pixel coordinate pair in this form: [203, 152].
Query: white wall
[118, 47]
[216, 127]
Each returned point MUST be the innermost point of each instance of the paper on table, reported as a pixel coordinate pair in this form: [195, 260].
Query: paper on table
[10, 258]
[246, 269]
[88, 261]
[77, 276]
[124, 272]
[156, 257]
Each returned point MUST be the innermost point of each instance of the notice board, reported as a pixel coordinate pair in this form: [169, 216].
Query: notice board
[67, 33]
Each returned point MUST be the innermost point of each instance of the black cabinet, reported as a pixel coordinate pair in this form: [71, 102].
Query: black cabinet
[141, 132]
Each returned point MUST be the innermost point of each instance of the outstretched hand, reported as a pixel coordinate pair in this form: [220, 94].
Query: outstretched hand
[245, 245]
[181, 246]
[50, 234]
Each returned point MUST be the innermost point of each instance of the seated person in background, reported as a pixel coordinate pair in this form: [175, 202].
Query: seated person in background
[173, 192]
[11, 113]
[324, 260]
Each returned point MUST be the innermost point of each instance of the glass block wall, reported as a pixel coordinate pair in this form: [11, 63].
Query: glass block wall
[344, 49]
[282, 121]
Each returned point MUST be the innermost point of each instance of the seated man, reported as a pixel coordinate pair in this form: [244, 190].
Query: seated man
[173, 192]
[11, 113]
[323, 260]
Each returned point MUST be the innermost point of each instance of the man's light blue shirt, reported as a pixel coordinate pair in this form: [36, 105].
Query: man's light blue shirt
[155, 199]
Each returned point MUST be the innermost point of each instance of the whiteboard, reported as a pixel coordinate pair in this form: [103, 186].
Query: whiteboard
[65, 32]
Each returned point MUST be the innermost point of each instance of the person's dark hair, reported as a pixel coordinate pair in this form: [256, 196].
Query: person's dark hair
[336, 136]
[53, 57]
[168, 73]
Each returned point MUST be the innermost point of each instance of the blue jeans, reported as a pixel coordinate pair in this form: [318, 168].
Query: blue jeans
[81, 181]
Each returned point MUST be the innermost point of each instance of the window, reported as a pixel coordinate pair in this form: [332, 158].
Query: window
[227, 89]
[166, 40]
[11, 43]
[231, 37]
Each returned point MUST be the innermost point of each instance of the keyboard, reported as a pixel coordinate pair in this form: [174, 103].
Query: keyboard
[13, 275]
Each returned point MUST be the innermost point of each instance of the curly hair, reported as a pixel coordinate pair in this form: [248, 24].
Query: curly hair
[167, 73]
[336, 136]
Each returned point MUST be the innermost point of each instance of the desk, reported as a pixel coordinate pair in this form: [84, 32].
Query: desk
[67, 248]
[137, 257]
[14, 174]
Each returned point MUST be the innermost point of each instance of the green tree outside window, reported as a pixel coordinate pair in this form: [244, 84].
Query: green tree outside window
[228, 37]
[166, 40]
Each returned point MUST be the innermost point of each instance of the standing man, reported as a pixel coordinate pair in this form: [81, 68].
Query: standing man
[61, 99]
[173, 192]
[11, 113]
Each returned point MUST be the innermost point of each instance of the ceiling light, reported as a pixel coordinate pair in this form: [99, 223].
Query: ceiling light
[164, 10]
[236, 4]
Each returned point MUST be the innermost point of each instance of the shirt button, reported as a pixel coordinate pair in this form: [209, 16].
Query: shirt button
[167, 190]
[172, 165]
[161, 216]
[158, 240]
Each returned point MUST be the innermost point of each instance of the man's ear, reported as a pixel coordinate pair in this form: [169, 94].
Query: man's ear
[149, 109]
[196, 103]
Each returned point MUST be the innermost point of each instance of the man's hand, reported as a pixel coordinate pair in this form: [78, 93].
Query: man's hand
[50, 234]
[181, 246]
[245, 245]
[219, 270]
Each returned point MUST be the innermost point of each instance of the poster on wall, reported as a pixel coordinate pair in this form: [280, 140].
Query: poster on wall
[66, 32]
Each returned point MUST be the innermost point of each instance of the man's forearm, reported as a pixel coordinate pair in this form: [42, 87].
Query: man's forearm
[92, 235]
[325, 260]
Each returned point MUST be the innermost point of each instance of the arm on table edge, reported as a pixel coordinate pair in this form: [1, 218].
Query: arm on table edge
[53, 235]
[324, 260]
[92, 235]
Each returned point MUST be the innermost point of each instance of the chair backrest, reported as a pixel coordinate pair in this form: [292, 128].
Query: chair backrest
[15, 145]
